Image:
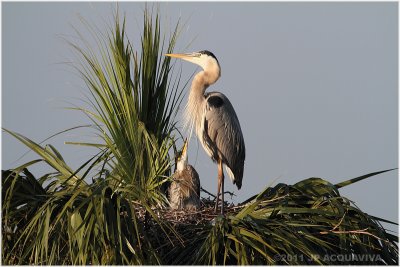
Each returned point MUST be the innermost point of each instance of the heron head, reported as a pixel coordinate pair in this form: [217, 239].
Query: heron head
[182, 158]
[205, 59]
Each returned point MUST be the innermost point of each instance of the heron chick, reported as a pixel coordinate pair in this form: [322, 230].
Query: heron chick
[184, 191]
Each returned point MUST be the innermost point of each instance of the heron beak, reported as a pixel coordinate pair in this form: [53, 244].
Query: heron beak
[183, 56]
[184, 149]
[182, 158]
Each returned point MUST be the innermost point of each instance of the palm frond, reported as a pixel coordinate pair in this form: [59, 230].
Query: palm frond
[132, 107]
[362, 177]
[305, 223]
[66, 225]
[134, 104]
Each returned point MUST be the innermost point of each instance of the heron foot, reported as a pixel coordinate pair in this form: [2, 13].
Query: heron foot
[216, 206]
[222, 208]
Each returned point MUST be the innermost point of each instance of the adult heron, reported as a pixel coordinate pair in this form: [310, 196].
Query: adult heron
[215, 121]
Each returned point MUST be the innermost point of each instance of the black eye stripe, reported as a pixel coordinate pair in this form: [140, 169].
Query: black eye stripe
[208, 53]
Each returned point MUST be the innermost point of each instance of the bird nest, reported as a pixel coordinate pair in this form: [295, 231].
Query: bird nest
[185, 223]
[204, 214]
[180, 217]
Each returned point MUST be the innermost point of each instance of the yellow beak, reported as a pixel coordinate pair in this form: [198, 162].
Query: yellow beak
[185, 145]
[183, 56]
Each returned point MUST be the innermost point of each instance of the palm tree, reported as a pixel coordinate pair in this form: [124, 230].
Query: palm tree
[132, 105]
[111, 210]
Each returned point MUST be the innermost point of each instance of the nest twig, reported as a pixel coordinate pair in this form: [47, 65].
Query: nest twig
[204, 214]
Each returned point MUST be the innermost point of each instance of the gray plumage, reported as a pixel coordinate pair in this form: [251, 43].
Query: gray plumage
[223, 136]
[184, 191]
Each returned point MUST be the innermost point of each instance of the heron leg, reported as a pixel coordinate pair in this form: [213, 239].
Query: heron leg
[220, 184]
[218, 190]
[222, 191]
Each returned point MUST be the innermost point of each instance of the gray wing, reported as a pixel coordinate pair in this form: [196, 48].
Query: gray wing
[223, 135]
[195, 180]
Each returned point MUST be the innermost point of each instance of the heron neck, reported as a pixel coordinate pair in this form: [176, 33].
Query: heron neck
[200, 84]
[196, 99]
[195, 104]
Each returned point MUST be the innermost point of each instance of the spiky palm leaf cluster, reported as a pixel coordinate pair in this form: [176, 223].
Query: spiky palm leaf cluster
[306, 223]
[132, 103]
[61, 224]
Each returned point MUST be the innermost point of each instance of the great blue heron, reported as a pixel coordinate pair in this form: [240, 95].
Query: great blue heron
[184, 191]
[215, 121]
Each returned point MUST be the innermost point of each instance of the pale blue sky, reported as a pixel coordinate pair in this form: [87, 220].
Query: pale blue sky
[315, 86]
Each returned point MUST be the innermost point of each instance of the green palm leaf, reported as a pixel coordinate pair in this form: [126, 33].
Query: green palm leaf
[306, 223]
[133, 104]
